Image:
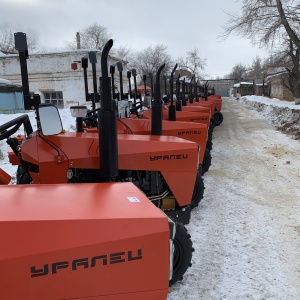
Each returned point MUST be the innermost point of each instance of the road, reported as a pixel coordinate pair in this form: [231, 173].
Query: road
[246, 231]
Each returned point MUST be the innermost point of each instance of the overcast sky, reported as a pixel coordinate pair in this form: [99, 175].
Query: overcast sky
[180, 25]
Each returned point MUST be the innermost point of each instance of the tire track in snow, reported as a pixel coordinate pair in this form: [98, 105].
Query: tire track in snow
[246, 231]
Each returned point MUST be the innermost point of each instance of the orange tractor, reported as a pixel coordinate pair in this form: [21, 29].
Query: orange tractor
[128, 123]
[61, 240]
[165, 168]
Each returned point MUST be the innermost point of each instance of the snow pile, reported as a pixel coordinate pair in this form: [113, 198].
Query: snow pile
[284, 115]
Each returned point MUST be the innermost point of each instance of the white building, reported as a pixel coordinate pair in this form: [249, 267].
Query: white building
[51, 76]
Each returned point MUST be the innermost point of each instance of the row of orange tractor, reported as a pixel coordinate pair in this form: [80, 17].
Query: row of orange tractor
[100, 213]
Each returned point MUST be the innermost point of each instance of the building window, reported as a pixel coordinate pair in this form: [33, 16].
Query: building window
[55, 98]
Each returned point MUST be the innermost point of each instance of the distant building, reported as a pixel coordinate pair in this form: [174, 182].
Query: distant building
[277, 81]
[51, 76]
[243, 88]
[11, 97]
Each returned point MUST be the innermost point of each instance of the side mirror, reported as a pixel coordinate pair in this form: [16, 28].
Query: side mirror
[50, 121]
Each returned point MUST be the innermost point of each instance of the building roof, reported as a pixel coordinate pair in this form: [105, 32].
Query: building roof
[8, 86]
[242, 83]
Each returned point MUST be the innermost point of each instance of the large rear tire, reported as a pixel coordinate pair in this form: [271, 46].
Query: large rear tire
[206, 161]
[198, 191]
[183, 249]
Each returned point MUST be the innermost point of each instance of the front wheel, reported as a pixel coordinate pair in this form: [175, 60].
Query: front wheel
[198, 191]
[218, 117]
[23, 176]
[206, 161]
[183, 249]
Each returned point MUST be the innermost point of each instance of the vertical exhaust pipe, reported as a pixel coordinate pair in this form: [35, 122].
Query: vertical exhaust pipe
[183, 102]
[191, 90]
[133, 71]
[172, 108]
[30, 101]
[156, 124]
[178, 100]
[84, 65]
[107, 118]
[93, 61]
[120, 69]
[129, 84]
[145, 84]
[151, 83]
[196, 91]
[112, 73]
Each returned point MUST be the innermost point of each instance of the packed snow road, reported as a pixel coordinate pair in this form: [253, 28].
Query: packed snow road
[246, 230]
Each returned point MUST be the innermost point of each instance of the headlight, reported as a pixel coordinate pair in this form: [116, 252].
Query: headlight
[78, 111]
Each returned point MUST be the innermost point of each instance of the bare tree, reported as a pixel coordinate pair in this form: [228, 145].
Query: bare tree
[270, 23]
[94, 36]
[193, 62]
[7, 42]
[255, 70]
[122, 52]
[150, 59]
[238, 72]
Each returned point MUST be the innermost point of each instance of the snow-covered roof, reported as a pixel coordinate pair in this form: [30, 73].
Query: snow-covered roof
[64, 51]
[242, 83]
[5, 82]
[7, 85]
[273, 71]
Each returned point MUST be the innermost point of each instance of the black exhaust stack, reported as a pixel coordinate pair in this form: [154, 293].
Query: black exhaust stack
[129, 84]
[120, 69]
[107, 118]
[172, 108]
[151, 82]
[183, 101]
[178, 100]
[156, 124]
[133, 71]
[112, 73]
[93, 61]
[191, 90]
[145, 84]
[84, 65]
[196, 91]
[30, 101]
[165, 84]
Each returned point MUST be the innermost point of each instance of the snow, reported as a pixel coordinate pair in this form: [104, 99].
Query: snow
[246, 230]
[5, 81]
[242, 83]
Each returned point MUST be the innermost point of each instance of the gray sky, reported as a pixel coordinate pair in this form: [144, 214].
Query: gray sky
[180, 25]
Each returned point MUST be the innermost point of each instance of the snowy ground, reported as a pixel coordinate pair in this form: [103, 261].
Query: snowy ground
[246, 231]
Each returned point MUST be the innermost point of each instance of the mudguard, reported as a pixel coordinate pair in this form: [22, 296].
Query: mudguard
[82, 241]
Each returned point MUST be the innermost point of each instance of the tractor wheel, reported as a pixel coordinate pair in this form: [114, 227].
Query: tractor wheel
[198, 191]
[218, 117]
[206, 161]
[183, 248]
[23, 176]
[209, 145]
[210, 133]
